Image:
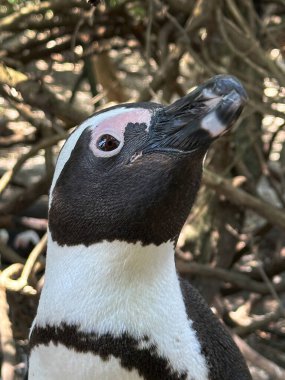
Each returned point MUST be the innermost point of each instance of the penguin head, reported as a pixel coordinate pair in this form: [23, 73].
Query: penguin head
[131, 172]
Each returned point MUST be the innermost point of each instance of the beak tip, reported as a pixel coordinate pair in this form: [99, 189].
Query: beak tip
[204, 114]
[224, 84]
[233, 98]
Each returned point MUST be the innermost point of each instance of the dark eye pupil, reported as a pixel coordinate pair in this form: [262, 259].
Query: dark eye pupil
[107, 143]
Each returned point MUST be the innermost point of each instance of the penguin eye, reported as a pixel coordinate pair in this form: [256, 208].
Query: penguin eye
[106, 143]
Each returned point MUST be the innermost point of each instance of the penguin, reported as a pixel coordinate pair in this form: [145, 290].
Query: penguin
[113, 306]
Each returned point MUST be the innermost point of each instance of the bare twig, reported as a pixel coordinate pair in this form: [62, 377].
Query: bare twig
[276, 372]
[148, 33]
[258, 324]
[243, 199]
[8, 348]
[22, 282]
[47, 142]
[271, 287]
[239, 279]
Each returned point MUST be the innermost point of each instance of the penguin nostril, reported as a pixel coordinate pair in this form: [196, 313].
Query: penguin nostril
[107, 143]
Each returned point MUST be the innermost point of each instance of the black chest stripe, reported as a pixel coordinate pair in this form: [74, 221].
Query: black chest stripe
[132, 353]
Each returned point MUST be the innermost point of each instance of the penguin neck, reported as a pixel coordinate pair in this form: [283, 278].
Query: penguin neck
[120, 290]
[107, 281]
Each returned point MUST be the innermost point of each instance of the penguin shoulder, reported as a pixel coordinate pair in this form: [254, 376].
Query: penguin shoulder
[223, 357]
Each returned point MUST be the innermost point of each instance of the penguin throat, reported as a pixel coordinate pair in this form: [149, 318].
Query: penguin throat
[104, 280]
[119, 289]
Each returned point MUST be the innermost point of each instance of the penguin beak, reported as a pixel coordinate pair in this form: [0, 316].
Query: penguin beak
[194, 121]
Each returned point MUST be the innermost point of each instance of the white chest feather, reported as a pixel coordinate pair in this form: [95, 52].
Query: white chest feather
[58, 362]
[114, 288]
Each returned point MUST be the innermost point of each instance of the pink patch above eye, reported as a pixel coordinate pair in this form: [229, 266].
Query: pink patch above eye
[116, 126]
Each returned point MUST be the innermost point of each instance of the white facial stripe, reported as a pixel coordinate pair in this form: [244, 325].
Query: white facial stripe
[212, 124]
[92, 121]
[116, 127]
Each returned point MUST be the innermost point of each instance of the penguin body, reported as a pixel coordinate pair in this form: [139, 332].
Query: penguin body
[112, 306]
[151, 340]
